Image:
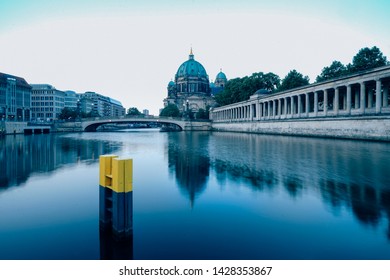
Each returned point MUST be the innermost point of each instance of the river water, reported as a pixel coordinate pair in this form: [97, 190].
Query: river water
[198, 195]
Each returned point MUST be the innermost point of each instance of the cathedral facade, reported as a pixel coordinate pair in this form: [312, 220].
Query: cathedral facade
[192, 89]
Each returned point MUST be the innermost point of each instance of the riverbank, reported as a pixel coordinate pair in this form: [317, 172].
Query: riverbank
[361, 128]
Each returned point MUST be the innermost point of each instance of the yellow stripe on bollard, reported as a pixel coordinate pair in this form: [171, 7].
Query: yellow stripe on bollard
[105, 168]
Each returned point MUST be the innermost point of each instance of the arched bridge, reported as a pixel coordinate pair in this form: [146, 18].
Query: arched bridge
[92, 124]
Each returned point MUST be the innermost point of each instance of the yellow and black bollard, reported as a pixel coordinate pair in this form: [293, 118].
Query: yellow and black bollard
[116, 195]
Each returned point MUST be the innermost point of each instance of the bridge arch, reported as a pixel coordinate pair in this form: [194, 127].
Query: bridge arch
[92, 125]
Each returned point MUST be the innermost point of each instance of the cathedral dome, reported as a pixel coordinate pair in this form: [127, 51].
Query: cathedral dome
[221, 76]
[191, 68]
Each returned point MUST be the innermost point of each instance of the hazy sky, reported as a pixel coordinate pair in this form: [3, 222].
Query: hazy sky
[130, 50]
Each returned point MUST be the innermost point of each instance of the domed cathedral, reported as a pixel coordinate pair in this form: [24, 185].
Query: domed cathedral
[191, 89]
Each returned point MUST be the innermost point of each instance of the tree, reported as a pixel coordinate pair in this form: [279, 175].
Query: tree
[366, 59]
[335, 70]
[240, 89]
[293, 79]
[68, 113]
[170, 111]
[133, 112]
[202, 114]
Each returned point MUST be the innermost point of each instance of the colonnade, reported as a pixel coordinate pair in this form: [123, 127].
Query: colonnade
[359, 94]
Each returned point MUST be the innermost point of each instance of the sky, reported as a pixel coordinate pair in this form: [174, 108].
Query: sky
[130, 50]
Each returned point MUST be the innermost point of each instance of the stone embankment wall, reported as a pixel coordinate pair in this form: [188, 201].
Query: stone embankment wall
[67, 127]
[14, 127]
[364, 128]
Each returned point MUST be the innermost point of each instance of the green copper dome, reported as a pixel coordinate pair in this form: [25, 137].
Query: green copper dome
[191, 68]
[221, 76]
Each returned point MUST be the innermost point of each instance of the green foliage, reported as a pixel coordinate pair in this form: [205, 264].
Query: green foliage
[240, 89]
[68, 114]
[202, 114]
[335, 70]
[133, 112]
[170, 111]
[293, 79]
[367, 59]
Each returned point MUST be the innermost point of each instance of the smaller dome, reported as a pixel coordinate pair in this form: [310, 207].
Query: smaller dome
[262, 91]
[221, 76]
[171, 83]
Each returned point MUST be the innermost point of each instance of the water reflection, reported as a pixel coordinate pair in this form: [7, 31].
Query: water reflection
[189, 162]
[114, 249]
[348, 174]
[21, 156]
[276, 197]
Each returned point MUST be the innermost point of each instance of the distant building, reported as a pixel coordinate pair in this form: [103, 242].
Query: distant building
[191, 89]
[86, 104]
[117, 109]
[15, 98]
[47, 102]
[71, 99]
[145, 112]
[104, 106]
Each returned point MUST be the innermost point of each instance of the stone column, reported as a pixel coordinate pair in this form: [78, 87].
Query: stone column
[285, 107]
[260, 110]
[307, 104]
[292, 106]
[315, 103]
[273, 108]
[349, 99]
[378, 102]
[325, 102]
[362, 97]
[279, 108]
[299, 106]
[336, 101]
[269, 109]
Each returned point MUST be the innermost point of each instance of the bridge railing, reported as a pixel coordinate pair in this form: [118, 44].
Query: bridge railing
[147, 118]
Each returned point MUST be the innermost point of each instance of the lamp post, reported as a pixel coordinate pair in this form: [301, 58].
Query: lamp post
[188, 109]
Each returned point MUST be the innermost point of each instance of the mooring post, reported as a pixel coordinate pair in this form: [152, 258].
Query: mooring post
[116, 195]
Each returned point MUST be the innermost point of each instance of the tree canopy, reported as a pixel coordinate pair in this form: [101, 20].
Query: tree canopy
[335, 70]
[367, 59]
[240, 89]
[68, 113]
[133, 112]
[293, 79]
[170, 111]
[202, 114]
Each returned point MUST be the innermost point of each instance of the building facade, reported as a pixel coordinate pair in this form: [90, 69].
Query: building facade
[103, 106]
[191, 89]
[47, 102]
[71, 99]
[117, 109]
[15, 98]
